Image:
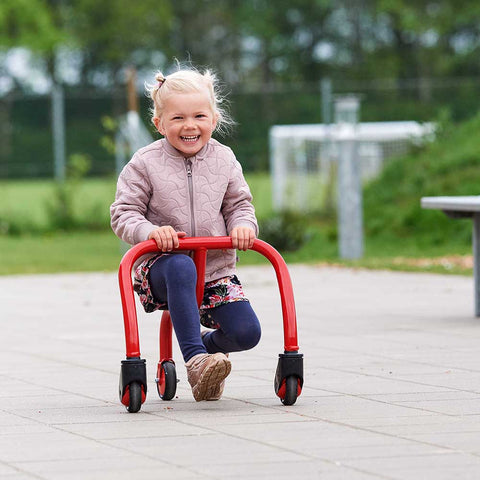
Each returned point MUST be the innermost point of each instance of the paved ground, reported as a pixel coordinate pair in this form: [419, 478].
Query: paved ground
[392, 385]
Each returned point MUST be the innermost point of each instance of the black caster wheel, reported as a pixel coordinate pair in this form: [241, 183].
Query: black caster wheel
[291, 390]
[288, 381]
[132, 387]
[134, 397]
[166, 380]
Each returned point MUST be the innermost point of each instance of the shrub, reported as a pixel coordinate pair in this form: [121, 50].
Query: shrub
[286, 231]
[60, 208]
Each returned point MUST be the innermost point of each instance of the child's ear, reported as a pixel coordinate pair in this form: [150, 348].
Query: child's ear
[215, 121]
[159, 125]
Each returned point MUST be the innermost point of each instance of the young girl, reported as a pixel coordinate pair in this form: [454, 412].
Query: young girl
[189, 184]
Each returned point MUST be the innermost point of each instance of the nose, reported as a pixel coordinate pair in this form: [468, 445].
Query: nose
[189, 123]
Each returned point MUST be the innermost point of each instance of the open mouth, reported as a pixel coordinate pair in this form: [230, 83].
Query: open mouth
[190, 138]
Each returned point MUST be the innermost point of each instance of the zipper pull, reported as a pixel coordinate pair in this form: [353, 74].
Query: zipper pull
[189, 168]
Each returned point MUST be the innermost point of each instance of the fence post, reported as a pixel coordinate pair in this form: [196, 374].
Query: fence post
[278, 169]
[58, 131]
[326, 92]
[350, 215]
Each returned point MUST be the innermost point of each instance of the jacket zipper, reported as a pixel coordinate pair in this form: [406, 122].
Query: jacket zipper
[188, 166]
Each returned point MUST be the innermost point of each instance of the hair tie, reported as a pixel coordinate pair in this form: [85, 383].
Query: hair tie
[161, 82]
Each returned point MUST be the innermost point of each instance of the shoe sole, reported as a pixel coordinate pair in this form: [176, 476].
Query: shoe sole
[211, 378]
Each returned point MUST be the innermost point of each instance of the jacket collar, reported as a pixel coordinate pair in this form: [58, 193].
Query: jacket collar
[173, 152]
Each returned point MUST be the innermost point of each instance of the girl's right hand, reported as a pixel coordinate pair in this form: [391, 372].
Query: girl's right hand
[166, 238]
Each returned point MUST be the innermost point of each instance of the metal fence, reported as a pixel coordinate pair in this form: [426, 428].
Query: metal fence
[26, 122]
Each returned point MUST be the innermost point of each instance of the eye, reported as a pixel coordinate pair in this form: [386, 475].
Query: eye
[201, 115]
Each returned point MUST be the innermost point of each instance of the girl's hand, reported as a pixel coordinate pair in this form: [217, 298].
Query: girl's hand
[242, 238]
[166, 238]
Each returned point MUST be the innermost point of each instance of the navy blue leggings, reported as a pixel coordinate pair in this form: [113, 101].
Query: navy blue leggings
[173, 279]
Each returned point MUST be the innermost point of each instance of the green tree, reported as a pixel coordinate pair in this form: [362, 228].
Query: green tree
[210, 35]
[28, 23]
[424, 39]
[254, 41]
[284, 38]
[115, 33]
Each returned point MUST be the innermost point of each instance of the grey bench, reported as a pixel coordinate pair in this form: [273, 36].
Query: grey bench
[463, 207]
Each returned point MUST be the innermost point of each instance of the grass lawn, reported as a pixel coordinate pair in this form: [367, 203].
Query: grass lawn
[61, 252]
[25, 201]
[101, 251]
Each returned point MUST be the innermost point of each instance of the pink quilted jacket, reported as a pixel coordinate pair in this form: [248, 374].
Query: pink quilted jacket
[205, 195]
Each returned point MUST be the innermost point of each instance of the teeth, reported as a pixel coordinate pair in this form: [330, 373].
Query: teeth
[190, 138]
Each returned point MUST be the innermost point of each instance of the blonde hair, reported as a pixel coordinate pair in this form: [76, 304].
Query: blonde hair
[190, 81]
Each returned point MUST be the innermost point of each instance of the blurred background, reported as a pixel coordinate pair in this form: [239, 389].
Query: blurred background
[66, 69]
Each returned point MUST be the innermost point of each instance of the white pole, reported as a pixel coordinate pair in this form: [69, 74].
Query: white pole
[277, 169]
[301, 174]
[350, 216]
[350, 208]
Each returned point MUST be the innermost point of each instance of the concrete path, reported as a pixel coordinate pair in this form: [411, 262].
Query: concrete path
[392, 384]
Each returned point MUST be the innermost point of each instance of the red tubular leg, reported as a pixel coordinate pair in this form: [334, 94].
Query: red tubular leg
[200, 260]
[126, 294]
[166, 337]
[286, 293]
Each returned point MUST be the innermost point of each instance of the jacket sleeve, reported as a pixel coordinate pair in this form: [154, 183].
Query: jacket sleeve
[237, 207]
[133, 194]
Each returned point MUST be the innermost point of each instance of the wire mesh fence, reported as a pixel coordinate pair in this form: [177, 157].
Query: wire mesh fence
[27, 151]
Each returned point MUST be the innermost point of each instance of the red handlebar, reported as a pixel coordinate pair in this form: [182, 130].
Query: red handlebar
[200, 245]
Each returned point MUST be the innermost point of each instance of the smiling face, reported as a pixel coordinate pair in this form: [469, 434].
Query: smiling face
[187, 122]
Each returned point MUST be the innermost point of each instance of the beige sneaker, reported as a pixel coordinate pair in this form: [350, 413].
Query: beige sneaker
[206, 372]
[218, 392]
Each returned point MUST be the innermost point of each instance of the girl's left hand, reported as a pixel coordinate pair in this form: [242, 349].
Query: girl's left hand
[242, 238]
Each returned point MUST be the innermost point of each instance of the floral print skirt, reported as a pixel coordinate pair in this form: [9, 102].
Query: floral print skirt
[216, 293]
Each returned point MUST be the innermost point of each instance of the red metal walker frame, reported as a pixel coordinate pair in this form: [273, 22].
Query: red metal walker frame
[133, 384]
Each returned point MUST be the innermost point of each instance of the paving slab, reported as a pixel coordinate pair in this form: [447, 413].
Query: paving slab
[392, 384]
